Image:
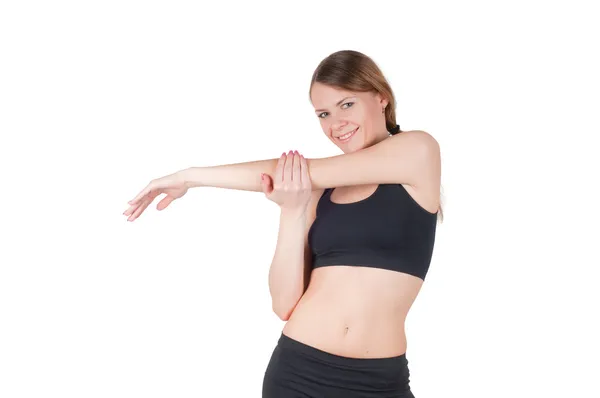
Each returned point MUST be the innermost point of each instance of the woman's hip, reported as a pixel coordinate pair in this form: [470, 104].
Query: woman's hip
[300, 370]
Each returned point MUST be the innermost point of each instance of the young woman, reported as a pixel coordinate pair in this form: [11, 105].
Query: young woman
[356, 237]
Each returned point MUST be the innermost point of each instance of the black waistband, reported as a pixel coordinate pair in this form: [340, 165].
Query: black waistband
[287, 342]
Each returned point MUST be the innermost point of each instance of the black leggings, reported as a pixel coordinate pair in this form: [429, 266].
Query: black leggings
[297, 370]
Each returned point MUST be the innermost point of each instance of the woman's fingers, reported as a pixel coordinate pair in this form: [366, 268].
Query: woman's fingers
[130, 210]
[137, 199]
[287, 170]
[142, 206]
[164, 202]
[143, 193]
[136, 212]
[279, 170]
[304, 172]
[133, 208]
[296, 176]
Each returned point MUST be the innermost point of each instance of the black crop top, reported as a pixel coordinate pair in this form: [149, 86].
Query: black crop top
[388, 229]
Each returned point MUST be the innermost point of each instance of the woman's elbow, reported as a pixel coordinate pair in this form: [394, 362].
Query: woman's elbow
[284, 308]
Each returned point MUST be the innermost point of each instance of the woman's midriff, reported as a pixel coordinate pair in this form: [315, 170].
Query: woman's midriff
[354, 311]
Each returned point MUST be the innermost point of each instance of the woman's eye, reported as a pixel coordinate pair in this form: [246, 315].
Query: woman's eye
[347, 103]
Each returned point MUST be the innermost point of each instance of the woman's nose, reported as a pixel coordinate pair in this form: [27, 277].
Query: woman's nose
[338, 126]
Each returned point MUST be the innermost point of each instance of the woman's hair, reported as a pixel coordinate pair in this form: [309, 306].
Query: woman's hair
[354, 71]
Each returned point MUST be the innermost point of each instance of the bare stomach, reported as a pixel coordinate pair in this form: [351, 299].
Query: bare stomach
[355, 312]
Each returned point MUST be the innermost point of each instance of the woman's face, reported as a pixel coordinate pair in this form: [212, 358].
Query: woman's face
[341, 112]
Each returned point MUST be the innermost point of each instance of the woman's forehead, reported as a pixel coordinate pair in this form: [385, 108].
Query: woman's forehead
[328, 91]
[329, 96]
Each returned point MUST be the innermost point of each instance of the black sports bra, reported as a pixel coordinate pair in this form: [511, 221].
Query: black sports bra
[388, 229]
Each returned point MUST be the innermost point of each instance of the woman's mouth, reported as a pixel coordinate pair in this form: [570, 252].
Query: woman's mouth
[348, 136]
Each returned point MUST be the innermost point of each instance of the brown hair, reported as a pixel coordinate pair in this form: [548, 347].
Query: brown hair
[354, 71]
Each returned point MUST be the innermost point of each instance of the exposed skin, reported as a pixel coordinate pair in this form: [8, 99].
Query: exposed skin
[351, 311]
[362, 110]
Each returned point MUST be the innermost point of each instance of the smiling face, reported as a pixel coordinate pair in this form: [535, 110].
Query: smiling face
[341, 112]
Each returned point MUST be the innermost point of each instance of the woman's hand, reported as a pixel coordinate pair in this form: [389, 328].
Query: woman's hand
[173, 185]
[291, 188]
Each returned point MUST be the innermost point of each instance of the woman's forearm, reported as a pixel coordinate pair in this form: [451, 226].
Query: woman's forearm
[241, 176]
[287, 272]
[246, 176]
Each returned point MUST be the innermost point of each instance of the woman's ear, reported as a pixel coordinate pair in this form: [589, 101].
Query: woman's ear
[382, 101]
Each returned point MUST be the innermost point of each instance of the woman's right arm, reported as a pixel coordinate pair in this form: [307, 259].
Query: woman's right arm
[242, 176]
[289, 185]
[289, 274]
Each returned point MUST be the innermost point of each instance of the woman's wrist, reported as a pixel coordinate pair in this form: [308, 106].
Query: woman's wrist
[292, 214]
[191, 176]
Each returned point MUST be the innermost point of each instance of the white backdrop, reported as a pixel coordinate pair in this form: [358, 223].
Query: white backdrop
[97, 98]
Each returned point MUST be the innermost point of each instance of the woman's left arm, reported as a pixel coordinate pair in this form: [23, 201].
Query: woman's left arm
[410, 157]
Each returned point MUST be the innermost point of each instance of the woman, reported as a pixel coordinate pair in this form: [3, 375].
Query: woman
[355, 240]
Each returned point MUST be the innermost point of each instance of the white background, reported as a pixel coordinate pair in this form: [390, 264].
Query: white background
[97, 98]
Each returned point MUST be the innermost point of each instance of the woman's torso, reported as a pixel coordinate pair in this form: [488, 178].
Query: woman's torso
[356, 311]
